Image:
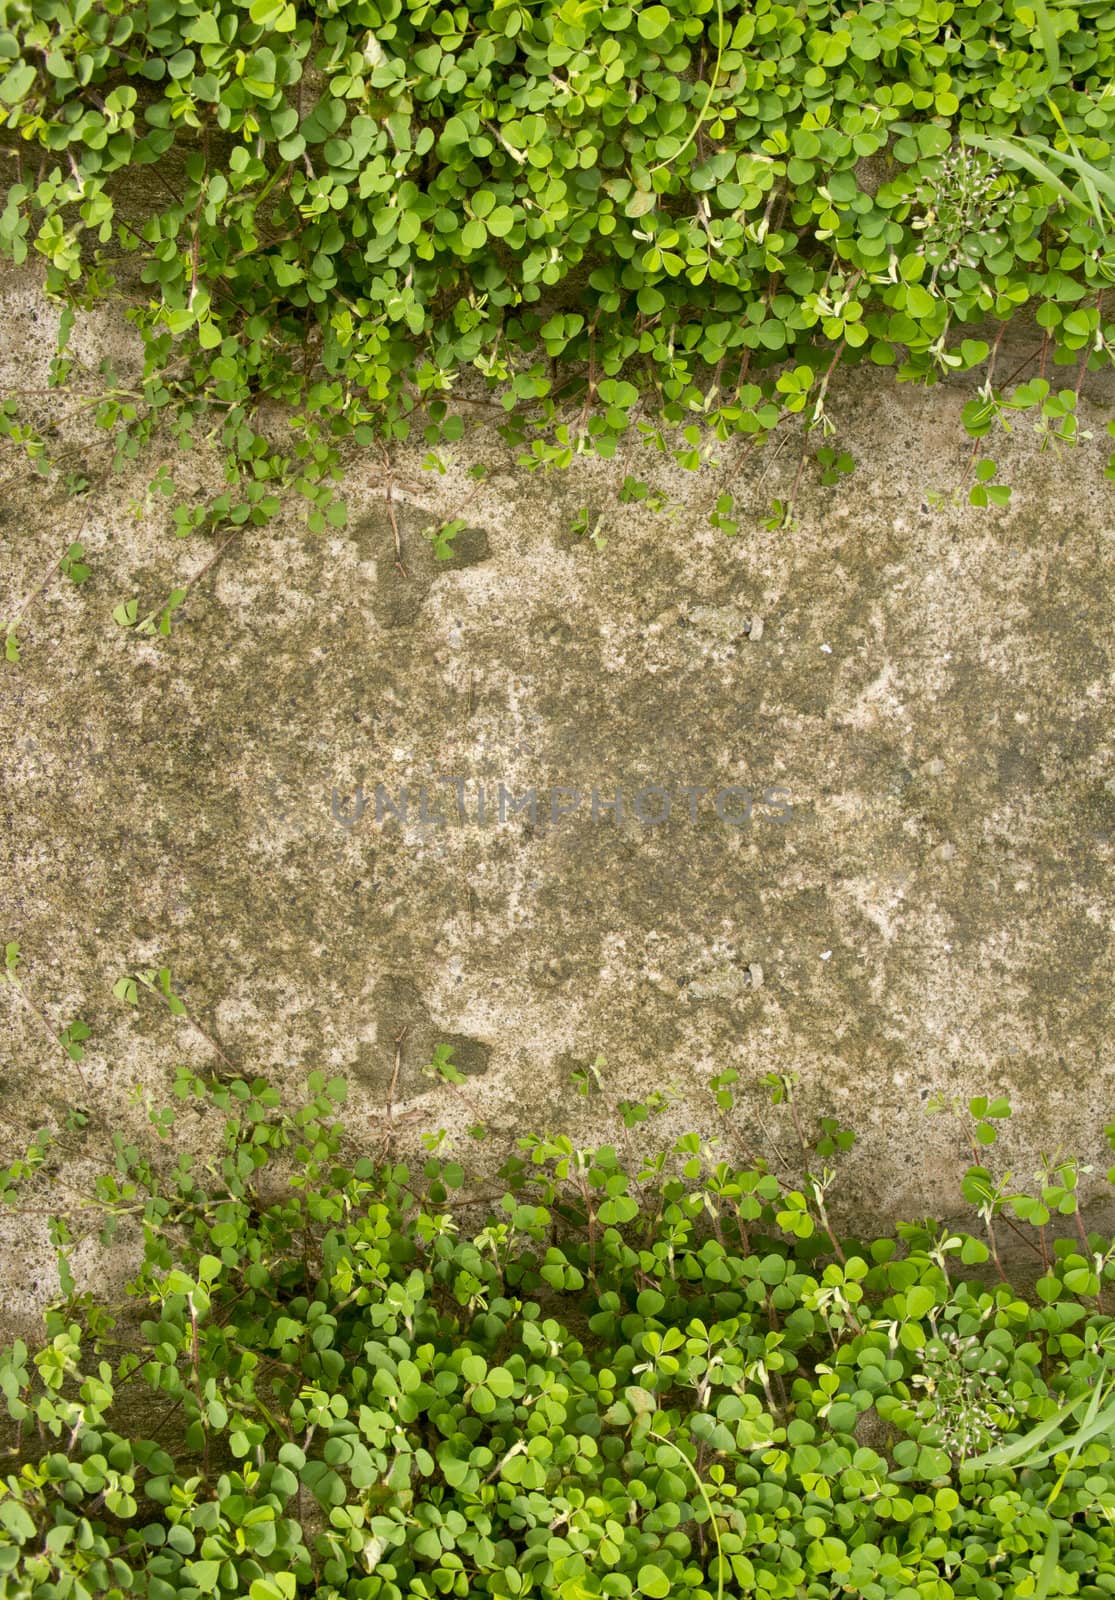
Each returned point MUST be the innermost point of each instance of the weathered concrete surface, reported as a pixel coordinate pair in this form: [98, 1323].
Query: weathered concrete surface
[933, 688]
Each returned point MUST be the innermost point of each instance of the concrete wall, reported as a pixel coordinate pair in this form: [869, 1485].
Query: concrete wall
[932, 687]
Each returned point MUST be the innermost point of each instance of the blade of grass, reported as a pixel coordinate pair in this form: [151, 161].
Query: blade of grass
[714, 84]
[1047, 33]
[1048, 1569]
[1100, 1425]
[1005, 1455]
[1091, 174]
[1024, 1451]
[1087, 1430]
[1009, 150]
[695, 1475]
[1094, 1403]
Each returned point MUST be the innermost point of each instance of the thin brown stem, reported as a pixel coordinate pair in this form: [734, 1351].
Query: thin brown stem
[1025, 362]
[831, 368]
[399, 1038]
[995, 353]
[22, 611]
[994, 1248]
[195, 1359]
[822, 1212]
[395, 533]
[46, 1027]
[213, 559]
[210, 1041]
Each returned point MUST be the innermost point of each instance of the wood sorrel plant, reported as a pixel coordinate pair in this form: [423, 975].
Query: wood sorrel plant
[585, 1377]
[607, 226]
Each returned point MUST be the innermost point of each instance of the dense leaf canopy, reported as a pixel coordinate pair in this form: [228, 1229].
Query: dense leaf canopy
[638, 208]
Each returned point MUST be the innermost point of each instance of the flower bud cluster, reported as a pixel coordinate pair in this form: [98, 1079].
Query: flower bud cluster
[966, 1409]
